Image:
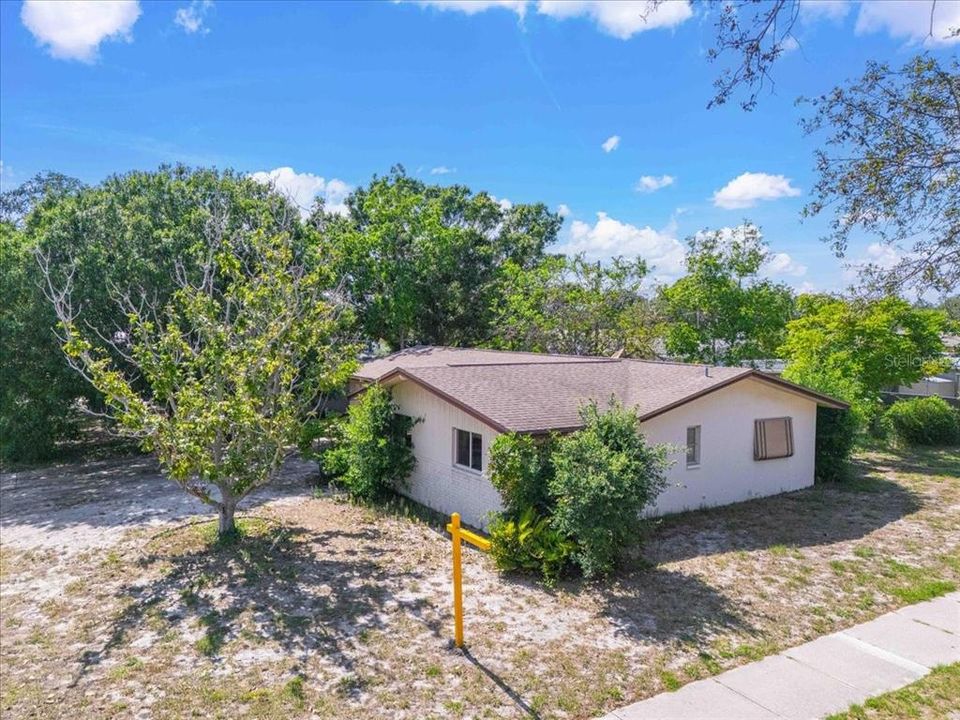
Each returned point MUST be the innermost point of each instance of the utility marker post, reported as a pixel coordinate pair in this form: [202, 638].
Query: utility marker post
[481, 543]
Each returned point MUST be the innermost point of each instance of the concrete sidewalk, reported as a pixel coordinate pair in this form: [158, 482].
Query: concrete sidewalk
[822, 677]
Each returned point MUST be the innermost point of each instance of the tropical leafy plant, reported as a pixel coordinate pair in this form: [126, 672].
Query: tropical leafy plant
[530, 543]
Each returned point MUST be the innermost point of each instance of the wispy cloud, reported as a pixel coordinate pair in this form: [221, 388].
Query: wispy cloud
[618, 18]
[917, 21]
[652, 183]
[611, 143]
[442, 170]
[192, 18]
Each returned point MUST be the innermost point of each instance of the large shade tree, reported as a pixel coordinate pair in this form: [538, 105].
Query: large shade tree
[421, 262]
[139, 229]
[890, 166]
[575, 306]
[722, 311]
[856, 348]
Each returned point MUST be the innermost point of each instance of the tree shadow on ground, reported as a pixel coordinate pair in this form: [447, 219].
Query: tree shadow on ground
[823, 514]
[666, 606]
[277, 586]
[918, 460]
[650, 604]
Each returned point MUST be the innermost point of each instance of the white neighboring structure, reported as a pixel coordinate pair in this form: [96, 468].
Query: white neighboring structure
[738, 433]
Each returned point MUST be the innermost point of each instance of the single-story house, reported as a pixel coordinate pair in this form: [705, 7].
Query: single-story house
[738, 433]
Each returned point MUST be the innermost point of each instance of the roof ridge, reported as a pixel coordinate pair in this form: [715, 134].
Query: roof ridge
[504, 352]
[589, 360]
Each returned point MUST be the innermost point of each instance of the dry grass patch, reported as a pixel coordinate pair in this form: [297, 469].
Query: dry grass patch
[329, 610]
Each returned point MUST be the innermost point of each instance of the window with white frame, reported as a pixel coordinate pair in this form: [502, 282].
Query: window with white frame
[772, 438]
[693, 446]
[468, 449]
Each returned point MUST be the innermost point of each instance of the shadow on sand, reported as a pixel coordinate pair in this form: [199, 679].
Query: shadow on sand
[277, 585]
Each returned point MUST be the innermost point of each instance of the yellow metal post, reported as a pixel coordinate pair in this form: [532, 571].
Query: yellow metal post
[454, 528]
[478, 541]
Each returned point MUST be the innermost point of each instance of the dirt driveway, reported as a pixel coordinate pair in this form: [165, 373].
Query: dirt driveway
[111, 607]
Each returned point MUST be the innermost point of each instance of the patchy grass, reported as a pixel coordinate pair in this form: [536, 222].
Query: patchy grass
[935, 696]
[327, 609]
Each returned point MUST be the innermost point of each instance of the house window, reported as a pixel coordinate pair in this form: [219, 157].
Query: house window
[693, 446]
[468, 451]
[772, 438]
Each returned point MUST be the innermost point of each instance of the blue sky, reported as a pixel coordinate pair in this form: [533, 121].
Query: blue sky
[515, 98]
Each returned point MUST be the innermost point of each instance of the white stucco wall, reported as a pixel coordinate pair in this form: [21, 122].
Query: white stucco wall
[436, 481]
[727, 472]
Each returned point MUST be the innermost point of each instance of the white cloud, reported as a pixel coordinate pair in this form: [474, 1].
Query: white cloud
[783, 264]
[504, 203]
[620, 18]
[74, 29]
[833, 10]
[747, 189]
[609, 237]
[563, 210]
[303, 188]
[472, 7]
[652, 183]
[191, 18]
[611, 143]
[877, 255]
[442, 170]
[910, 19]
[882, 255]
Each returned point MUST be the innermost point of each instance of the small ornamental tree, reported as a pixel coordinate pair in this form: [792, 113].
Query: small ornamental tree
[221, 376]
[373, 456]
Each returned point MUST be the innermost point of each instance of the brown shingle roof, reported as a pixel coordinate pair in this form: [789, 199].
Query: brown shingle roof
[436, 356]
[527, 392]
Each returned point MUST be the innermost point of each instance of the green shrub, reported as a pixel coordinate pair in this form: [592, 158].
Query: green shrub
[530, 543]
[836, 434]
[519, 470]
[374, 456]
[604, 476]
[317, 437]
[922, 421]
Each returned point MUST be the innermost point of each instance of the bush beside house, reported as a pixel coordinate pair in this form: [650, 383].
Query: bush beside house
[374, 456]
[576, 499]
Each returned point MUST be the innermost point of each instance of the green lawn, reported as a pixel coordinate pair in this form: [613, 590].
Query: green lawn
[935, 696]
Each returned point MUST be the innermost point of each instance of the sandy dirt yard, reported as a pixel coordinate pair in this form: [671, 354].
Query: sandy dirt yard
[116, 603]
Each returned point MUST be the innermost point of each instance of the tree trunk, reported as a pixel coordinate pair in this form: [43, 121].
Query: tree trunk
[227, 526]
